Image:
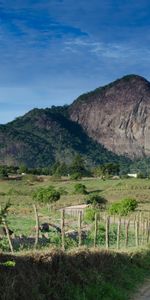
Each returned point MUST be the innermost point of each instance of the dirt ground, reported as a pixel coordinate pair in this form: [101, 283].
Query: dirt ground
[143, 293]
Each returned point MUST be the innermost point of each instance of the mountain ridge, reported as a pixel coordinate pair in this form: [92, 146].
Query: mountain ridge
[107, 124]
[43, 136]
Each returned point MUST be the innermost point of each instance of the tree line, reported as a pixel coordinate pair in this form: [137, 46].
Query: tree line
[76, 169]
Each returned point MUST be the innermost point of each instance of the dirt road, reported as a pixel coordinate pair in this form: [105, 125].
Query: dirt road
[144, 292]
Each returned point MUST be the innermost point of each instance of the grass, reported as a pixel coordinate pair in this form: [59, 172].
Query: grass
[21, 215]
[20, 192]
[80, 275]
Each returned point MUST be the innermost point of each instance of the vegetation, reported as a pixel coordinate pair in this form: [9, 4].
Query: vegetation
[106, 170]
[96, 200]
[46, 195]
[77, 275]
[80, 188]
[124, 207]
[89, 215]
[36, 133]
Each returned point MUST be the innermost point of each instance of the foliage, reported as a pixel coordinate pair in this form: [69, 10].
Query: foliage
[76, 176]
[80, 188]
[78, 165]
[95, 200]
[106, 170]
[22, 169]
[3, 172]
[4, 245]
[62, 141]
[123, 207]
[4, 211]
[81, 274]
[8, 263]
[61, 170]
[89, 215]
[46, 195]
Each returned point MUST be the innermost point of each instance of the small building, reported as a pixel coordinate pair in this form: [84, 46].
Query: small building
[75, 210]
[134, 175]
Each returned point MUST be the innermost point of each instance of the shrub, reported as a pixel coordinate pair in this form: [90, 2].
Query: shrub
[89, 215]
[46, 195]
[123, 207]
[96, 200]
[80, 188]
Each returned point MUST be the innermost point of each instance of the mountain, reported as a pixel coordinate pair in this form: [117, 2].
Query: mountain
[109, 124]
[117, 116]
[43, 136]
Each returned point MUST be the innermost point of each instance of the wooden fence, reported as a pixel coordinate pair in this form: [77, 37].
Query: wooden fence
[104, 232]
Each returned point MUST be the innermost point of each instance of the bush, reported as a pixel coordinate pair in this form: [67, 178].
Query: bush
[80, 188]
[89, 215]
[96, 200]
[46, 195]
[124, 207]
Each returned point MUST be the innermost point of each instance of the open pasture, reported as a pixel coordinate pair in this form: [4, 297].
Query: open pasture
[21, 218]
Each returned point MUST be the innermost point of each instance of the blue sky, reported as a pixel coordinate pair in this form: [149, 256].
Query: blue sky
[51, 51]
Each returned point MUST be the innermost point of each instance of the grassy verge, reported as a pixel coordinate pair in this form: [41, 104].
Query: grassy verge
[80, 275]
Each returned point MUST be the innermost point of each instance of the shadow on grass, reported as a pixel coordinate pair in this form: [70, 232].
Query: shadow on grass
[95, 191]
[78, 275]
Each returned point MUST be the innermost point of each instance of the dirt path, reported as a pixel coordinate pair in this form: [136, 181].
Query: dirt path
[144, 292]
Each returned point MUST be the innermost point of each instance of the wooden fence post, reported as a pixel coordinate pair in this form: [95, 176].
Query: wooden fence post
[8, 236]
[134, 222]
[62, 229]
[148, 232]
[107, 231]
[95, 232]
[142, 231]
[37, 225]
[79, 228]
[127, 233]
[118, 233]
[137, 233]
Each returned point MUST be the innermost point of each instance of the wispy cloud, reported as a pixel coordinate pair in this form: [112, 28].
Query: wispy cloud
[116, 51]
[51, 51]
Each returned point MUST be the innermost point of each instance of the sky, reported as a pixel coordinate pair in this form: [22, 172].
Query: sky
[51, 51]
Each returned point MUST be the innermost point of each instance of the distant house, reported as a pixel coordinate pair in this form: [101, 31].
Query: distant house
[135, 175]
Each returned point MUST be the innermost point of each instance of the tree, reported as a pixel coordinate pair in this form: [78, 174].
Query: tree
[23, 169]
[107, 169]
[3, 172]
[61, 170]
[78, 166]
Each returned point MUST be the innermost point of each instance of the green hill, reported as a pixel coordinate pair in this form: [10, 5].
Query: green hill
[43, 136]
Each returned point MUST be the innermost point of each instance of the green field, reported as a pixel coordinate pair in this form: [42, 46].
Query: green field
[20, 192]
[21, 217]
[82, 273]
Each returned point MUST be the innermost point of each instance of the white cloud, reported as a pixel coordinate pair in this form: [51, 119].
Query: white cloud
[116, 51]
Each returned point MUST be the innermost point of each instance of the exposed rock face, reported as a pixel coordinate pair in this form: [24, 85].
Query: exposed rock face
[117, 115]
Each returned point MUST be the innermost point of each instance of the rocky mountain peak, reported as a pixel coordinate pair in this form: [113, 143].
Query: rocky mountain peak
[117, 115]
